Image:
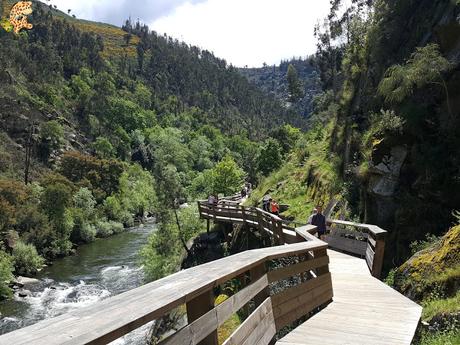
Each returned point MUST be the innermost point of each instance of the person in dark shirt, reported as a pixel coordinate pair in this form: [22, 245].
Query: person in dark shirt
[319, 220]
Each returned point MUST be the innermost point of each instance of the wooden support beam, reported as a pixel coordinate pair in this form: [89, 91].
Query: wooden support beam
[199, 306]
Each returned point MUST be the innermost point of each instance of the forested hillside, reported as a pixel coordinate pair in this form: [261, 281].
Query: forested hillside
[275, 81]
[100, 126]
[385, 148]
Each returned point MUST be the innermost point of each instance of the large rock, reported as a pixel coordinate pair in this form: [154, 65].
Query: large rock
[25, 281]
[385, 174]
[434, 269]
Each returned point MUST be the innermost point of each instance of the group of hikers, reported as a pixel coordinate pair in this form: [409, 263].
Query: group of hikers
[317, 218]
[270, 205]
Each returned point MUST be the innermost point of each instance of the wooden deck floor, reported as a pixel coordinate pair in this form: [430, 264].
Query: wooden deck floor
[364, 311]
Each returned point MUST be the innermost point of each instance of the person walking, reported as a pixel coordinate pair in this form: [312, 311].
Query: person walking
[266, 202]
[319, 220]
[274, 207]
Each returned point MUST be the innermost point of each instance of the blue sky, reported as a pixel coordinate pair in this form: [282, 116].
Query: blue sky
[244, 32]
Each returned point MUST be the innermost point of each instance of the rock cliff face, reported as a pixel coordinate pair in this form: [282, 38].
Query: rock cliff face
[435, 269]
[413, 182]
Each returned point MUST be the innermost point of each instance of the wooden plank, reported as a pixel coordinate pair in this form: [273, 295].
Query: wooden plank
[302, 310]
[297, 290]
[371, 241]
[322, 269]
[311, 295]
[378, 258]
[369, 257]
[346, 244]
[264, 331]
[199, 329]
[255, 273]
[119, 315]
[364, 311]
[239, 336]
[300, 267]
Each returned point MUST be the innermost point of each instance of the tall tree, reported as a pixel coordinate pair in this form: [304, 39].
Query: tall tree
[294, 84]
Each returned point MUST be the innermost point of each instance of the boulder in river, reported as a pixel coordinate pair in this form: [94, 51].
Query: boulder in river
[25, 281]
[24, 293]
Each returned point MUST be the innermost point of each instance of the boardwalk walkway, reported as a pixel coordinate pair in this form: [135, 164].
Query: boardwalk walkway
[364, 310]
[355, 307]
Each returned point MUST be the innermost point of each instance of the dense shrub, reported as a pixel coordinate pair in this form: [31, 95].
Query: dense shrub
[108, 228]
[6, 275]
[88, 233]
[26, 259]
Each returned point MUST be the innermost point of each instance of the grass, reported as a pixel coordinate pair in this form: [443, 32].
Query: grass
[308, 177]
[441, 306]
[444, 338]
[229, 326]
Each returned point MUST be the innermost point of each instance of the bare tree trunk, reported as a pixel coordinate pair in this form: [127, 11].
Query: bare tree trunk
[184, 244]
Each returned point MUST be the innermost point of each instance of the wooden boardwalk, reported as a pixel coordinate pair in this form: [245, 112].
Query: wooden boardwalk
[356, 308]
[364, 311]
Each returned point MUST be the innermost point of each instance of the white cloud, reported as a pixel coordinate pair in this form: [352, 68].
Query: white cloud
[247, 32]
[117, 11]
[244, 32]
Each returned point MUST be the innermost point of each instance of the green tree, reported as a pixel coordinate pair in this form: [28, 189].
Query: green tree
[226, 177]
[287, 136]
[26, 259]
[6, 275]
[104, 148]
[52, 137]
[294, 84]
[270, 157]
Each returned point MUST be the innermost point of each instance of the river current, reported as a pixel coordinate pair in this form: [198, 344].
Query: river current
[101, 269]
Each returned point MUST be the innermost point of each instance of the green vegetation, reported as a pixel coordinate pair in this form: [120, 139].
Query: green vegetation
[294, 85]
[26, 259]
[431, 277]
[6, 267]
[434, 269]
[436, 307]
[309, 176]
[442, 338]
[107, 130]
[161, 260]
[224, 331]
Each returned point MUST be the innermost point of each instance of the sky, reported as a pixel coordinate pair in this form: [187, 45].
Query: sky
[243, 32]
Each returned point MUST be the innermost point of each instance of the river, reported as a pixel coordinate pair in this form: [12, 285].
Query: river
[99, 270]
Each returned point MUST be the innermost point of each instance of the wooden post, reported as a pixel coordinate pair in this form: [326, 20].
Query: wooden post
[255, 273]
[378, 258]
[324, 269]
[279, 231]
[243, 214]
[199, 306]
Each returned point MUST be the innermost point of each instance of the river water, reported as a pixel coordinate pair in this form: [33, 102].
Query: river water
[99, 270]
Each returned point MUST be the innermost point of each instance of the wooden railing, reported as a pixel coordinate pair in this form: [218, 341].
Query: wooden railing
[303, 284]
[364, 240]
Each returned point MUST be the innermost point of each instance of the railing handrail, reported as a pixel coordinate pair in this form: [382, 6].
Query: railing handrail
[373, 252]
[374, 230]
[148, 302]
